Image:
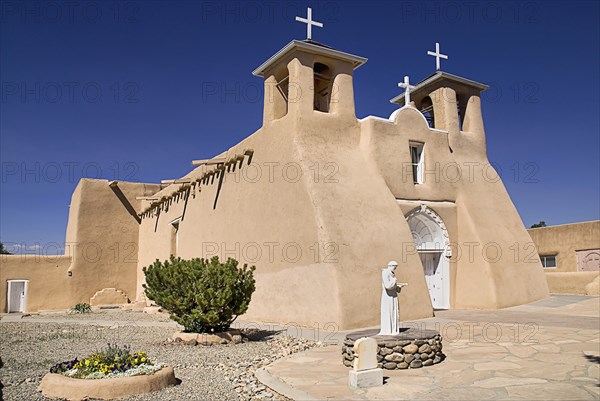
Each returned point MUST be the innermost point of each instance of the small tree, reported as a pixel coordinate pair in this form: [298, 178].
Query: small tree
[3, 250]
[201, 295]
[542, 223]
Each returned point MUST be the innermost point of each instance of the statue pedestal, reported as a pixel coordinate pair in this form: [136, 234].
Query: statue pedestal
[410, 349]
[366, 378]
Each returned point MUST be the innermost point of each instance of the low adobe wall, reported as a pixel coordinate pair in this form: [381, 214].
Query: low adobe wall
[48, 280]
[58, 386]
[572, 283]
[564, 241]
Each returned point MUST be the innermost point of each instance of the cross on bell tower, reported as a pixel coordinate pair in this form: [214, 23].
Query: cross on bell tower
[407, 88]
[309, 23]
[437, 56]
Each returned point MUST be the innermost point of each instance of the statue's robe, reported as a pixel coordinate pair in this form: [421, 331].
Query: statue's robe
[389, 303]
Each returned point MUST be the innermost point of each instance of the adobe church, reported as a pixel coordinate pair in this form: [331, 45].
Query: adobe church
[319, 201]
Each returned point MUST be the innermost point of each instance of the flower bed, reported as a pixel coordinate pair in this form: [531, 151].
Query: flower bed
[112, 373]
[112, 362]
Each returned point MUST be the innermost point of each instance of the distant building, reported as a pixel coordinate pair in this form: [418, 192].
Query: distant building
[569, 247]
[570, 256]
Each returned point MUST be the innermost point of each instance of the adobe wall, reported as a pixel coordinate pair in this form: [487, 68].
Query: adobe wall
[102, 249]
[48, 281]
[564, 240]
[573, 282]
[104, 229]
[263, 216]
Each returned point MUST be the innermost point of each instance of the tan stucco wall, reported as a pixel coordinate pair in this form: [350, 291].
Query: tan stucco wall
[572, 282]
[105, 237]
[48, 282]
[101, 246]
[564, 241]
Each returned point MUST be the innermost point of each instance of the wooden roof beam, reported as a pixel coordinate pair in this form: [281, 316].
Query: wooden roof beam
[214, 160]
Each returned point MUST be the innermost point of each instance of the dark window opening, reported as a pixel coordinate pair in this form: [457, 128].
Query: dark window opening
[323, 87]
[548, 261]
[461, 106]
[427, 111]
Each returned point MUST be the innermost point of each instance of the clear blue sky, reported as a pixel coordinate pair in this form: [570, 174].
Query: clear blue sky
[126, 90]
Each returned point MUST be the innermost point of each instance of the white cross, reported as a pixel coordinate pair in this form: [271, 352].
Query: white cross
[437, 56]
[407, 88]
[309, 23]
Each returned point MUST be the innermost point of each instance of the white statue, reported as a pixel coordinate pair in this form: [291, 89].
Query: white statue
[389, 300]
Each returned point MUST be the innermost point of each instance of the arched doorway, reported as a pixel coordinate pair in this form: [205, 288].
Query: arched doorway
[432, 242]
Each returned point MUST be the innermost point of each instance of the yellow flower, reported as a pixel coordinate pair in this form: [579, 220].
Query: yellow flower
[143, 359]
[135, 360]
[87, 362]
[95, 363]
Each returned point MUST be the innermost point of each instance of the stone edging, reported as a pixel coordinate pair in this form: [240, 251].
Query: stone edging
[55, 385]
[226, 337]
[401, 354]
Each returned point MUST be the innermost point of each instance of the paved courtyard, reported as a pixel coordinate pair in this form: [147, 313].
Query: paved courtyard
[548, 350]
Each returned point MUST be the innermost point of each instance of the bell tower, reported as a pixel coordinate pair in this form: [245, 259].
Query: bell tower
[306, 77]
[448, 102]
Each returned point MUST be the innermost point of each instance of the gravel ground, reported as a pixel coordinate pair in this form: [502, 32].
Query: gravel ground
[103, 314]
[223, 372]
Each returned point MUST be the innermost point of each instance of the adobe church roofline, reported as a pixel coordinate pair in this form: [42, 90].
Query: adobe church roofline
[437, 79]
[566, 224]
[309, 47]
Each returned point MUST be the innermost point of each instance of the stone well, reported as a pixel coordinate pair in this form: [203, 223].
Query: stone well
[411, 349]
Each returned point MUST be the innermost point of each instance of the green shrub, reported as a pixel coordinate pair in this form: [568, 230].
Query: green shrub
[82, 308]
[201, 295]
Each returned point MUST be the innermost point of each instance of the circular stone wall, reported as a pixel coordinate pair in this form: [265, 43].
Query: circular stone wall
[412, 348]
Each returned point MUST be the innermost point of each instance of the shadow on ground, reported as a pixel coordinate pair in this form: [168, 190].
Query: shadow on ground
[260, 334]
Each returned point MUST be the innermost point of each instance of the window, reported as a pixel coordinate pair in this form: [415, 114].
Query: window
[548, 262]
[322, 86]
[417, 161]
[175, 236]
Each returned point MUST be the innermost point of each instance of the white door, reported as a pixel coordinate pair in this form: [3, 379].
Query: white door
[16, 296]
[434, 266]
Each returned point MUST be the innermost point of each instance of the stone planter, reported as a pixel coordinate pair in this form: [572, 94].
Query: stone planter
[226, 337]
[411, 349]
[55, 385]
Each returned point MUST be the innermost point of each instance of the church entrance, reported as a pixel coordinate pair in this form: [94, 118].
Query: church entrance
[434, 276]
[431, 239]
